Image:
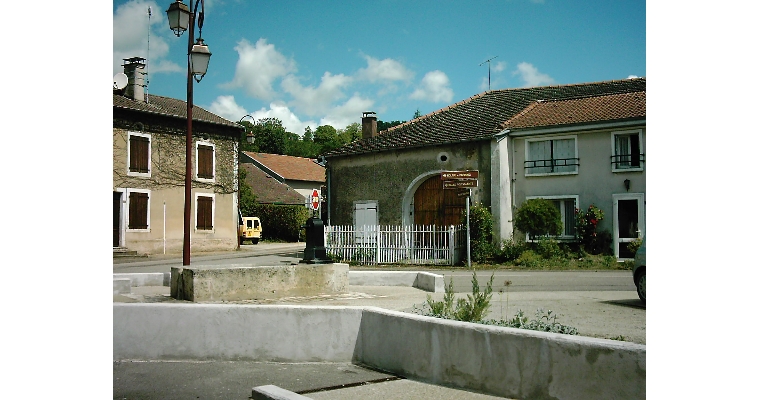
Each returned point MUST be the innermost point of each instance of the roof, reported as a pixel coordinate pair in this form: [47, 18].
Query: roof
[269, 190]
[614, 107]
[480, 117]
[170, 107]
[289, 167]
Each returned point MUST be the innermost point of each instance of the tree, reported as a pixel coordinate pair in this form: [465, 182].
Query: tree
[538, 217]
[269, 136]
[308, 135]
[327, 138]
[417, 114]
[382, 125]
[350, 133]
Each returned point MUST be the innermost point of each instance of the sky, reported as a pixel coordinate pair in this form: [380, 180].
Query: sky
[312, 63]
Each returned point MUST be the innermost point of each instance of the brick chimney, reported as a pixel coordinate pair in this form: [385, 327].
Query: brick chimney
[369, 124]
[134, 69]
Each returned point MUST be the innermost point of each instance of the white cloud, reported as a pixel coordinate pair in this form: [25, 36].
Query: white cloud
[632, 77]
[384, 70]
[349, 112]
[130, 36]
[499, 66]
[316, 100]
[434, 88]
[258, 67]
[225, 106]
[531, 77]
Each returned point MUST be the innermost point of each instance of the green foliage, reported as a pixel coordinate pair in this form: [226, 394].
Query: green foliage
[549, 249]
[269, 136]
[481, 233]
[634, 245]
[350, 133]
[417, 114]
[530, 259]
[545, 321]
[247, 198]
[509, 250]
[382, 125]
[472, 309]
[538, 217]
[326, 137]
[593, 241]
[280, 222]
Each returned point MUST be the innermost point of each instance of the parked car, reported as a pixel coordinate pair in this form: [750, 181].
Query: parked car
[250, 229]
[640, 270]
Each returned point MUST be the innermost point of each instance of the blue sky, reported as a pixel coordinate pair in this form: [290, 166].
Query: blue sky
[311, 63]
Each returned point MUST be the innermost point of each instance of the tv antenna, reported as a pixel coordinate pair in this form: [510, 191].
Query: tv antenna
[489, 70]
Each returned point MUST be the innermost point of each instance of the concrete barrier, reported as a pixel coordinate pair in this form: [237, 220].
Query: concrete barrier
[272, 392]
[122, 286]
[146, 278]
[421, 280]
[505, 362]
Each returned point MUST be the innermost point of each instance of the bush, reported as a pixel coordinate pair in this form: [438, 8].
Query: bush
[472, 309]
[481, 233]
[593, 241]
[538, 217]
[530, 259]
[280, 222]
[549, 249]
[509, 250]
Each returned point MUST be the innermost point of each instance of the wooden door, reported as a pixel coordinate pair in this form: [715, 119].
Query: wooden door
[116, 218]
[435, 206]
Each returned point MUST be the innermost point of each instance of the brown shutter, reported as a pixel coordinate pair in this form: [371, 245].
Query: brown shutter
[138, 210]
[204, 211]
[205, 162]
[138, 153]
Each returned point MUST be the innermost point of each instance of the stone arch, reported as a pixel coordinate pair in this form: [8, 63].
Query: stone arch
[426, 202]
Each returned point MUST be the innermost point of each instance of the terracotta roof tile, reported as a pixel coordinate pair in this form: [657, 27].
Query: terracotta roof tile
[479, 117]
[577, 111]
[168, 106]
[291, 168]
[269, 190]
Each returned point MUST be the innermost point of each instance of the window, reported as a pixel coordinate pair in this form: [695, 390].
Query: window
[566, 204]
[139, 209]
[553, 156]
[204, 217]
[205, 161]
[138, 154]
[627, 151]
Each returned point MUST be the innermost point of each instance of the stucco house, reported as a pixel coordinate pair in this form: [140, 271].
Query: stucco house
[269, 190]
[576, 144]
[149, 172]
[301, 174]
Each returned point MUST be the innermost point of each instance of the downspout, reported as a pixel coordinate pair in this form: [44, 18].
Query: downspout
[329, 193]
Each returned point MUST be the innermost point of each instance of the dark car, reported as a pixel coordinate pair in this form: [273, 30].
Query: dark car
[640, 270]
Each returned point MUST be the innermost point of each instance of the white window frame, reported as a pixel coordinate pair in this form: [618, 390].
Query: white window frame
[129, 154]
[213, 161]
[213, 213]
[632, 132]
[574, 197]
[546, 139]
[126, 211]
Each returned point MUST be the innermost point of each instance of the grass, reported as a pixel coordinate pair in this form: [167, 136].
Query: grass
[528, 263]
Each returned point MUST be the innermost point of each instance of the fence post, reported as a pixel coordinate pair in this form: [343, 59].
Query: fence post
[451, 244]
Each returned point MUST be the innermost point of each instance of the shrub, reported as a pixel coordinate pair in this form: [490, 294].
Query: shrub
[280, 222]
[634, 245]
[509, 250]
[538, 217]
[593, 241]
[481, 233]
[544, 322]
[472, 309]
[530, 259]
[549, 248]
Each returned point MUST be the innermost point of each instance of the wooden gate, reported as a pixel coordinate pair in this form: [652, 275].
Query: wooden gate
[435, 206]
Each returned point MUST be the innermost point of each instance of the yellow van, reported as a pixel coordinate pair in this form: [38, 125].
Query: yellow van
[250, 229]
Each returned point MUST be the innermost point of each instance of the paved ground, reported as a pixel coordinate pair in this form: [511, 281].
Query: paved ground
[611, 314]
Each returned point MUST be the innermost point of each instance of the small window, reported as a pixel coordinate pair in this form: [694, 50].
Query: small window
[553, 156]
[627, 151]
[138, 210]
[138, 154]
[205, 213]
[205, 161]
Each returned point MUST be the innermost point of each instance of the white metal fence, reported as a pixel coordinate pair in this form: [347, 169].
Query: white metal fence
[387, 244]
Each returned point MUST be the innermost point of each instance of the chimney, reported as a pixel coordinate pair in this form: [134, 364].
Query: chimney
[369, 124]
[134, 69]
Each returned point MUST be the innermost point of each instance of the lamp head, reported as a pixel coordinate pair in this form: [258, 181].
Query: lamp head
[179, 17]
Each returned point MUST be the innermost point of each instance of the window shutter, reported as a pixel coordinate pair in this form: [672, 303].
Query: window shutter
[204, 213]
[138, 210]
[205, 162]
[138, 153]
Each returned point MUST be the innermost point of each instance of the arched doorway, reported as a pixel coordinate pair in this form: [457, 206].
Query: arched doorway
[435, 206]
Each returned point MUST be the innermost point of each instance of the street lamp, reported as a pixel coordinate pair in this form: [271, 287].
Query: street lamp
[198, 55]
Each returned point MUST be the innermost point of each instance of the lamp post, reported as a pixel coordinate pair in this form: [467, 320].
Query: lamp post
[198, 55]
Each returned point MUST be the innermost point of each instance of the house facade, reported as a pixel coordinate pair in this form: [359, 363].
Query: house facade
[301, 174]
[149, 171]
[394, 177]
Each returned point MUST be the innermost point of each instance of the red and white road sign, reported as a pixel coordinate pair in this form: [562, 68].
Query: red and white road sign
[315, 199]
